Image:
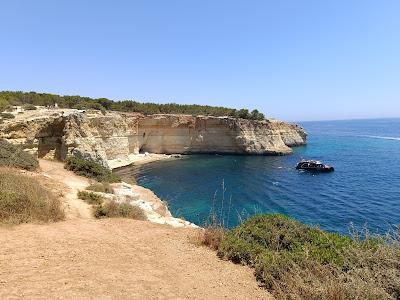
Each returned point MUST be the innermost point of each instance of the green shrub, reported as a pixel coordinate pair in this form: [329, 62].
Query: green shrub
[5, 115]
[4, 104]
[8, 98]
[14, 156]
[90, 169]
[296, 261]
[90, 197]
[30, 107]
[23, 199]
[112, 209]
[89, 105]
[102, 187]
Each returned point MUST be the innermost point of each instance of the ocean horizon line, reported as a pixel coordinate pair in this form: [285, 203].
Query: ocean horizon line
[339, 120]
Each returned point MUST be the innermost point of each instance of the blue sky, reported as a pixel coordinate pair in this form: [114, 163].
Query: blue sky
[294, 60]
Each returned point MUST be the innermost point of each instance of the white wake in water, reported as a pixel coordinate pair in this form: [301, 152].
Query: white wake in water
[382, 137]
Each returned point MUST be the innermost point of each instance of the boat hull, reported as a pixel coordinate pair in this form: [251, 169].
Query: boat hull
[317, 170]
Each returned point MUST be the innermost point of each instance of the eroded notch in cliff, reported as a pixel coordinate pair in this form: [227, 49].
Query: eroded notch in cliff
[51, 143]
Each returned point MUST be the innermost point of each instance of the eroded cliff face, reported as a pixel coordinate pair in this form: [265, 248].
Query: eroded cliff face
[188, 134]
[59, 133]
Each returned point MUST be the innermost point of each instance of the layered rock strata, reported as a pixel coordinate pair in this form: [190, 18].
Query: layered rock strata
[55, 134]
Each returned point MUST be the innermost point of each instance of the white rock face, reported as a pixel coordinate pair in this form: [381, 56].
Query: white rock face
[116, 136]
[155, 210]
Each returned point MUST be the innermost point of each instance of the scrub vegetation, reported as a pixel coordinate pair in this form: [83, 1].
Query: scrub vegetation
[30, 107]
[104, 208]
[14, 156]
[101, 187]
[90, 169]
[112, 209]
[23, 200]
[5, 115]
[8, 99]
[90, 197]
[295, 261]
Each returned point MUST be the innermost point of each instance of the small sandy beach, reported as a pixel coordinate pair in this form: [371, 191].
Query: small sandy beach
[140, 159]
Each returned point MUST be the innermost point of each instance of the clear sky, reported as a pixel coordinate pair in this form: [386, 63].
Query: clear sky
[294, 60]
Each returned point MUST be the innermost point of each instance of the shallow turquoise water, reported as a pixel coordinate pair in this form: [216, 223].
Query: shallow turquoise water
[365, 186]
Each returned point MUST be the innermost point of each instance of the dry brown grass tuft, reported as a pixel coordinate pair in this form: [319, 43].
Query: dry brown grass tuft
[23, 199]
[210, 237]
[101, 187]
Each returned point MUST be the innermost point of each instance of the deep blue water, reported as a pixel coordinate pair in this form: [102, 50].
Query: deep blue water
[365, 186]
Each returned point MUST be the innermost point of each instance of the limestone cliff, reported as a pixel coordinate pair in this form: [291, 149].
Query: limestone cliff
[59, 133]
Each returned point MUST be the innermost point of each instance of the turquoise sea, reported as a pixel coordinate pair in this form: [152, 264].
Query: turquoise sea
[365, 187]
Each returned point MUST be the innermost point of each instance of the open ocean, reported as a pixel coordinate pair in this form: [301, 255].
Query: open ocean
[365, 187]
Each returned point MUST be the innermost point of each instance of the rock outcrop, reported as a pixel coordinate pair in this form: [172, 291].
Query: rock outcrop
[58, 133]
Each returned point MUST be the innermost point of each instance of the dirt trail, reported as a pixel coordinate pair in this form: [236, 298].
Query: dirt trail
[86, 258]
[115, 259]
[76, 208]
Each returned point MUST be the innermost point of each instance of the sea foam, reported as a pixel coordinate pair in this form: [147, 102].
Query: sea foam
[382, 137]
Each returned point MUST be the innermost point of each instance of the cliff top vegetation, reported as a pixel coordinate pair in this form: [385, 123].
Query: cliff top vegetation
[14, 156]
[296, 261]
[11, 98]
[90, 169]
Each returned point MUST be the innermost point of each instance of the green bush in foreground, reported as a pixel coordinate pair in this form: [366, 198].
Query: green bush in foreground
[90, 169]
[14, 156]
[113, 209]
[23, 199]
[296, 261]
[90, 197]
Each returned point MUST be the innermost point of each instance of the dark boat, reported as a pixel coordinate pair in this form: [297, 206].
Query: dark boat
[314, 166]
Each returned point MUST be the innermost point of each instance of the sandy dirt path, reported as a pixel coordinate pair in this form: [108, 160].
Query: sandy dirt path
[115, 259]
[85, 258]
[75, 208]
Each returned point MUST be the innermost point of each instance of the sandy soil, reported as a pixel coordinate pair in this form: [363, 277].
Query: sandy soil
[85, 258]
[140, 159]
[75, 208]
[115, 259]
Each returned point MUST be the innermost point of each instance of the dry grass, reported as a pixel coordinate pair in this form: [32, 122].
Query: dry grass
[101, 187]
[210, 237]
[23, 199]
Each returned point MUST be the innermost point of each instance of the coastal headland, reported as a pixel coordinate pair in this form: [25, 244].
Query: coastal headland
[151, 259]
[84, 257]
[117, 139]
